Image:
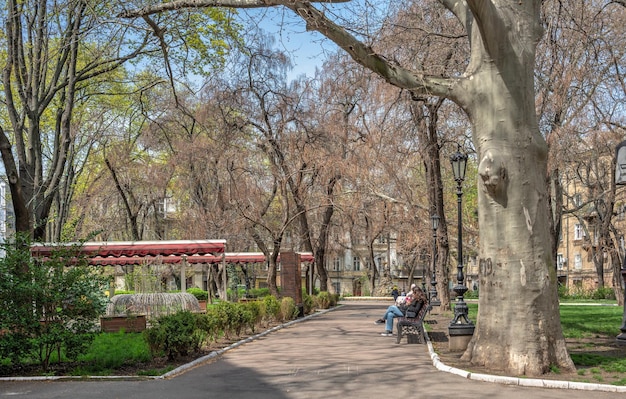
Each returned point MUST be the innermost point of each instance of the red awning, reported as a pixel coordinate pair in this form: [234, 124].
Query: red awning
[168, 252]
[192, 259]
[137, 248]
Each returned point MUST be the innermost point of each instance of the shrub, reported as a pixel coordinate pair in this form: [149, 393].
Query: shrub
[257, 312]
[308, 303]
[603, 293]
[200, 294]
[224, 315]
[258, 292]
[123, 292]
[48, 307]
[288, 308]
[272, 307]
[323, 300]
[175, 335]
[471, 294]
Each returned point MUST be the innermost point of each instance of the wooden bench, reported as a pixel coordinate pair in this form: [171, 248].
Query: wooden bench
[412, 327]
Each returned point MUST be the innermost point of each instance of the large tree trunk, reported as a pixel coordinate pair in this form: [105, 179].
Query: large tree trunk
[518, 327]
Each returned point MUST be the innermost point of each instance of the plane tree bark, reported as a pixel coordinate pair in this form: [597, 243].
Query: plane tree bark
[518, 327]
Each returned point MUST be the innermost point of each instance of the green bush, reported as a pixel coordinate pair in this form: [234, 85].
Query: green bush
[258, 292]
[124, 292]
[288, 308]
[225, 317]
[176, 335]
[603, 293]
[308, 303]
[200, 294]
[323, 300]
[272, 307]
[471, 294]
[578, 293]
[257, 312]
[48, 307]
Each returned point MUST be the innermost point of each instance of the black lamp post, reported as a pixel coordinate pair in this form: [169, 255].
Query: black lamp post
[434, 299]
[424, 275]
[459, 163]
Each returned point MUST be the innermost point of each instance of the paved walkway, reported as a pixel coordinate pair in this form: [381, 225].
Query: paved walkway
[338, 354]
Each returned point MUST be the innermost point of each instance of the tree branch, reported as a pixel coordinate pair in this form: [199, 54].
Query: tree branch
[181, 4]
[316, 20]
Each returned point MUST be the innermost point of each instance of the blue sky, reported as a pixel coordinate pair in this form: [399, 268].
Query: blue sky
[306, 49]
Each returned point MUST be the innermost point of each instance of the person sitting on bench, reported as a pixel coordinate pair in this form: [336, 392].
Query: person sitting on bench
[412, 305]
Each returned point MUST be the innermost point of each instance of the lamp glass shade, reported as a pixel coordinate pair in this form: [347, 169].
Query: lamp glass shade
[459, 164]
[435, 221]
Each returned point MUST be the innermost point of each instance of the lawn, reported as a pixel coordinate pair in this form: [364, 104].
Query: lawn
[590, 331]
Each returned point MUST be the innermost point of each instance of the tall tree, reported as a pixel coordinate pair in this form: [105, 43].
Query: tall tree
[53, 50]
[497, 93]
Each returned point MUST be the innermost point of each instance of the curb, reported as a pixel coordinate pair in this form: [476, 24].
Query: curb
[177, 371]
[524, 382]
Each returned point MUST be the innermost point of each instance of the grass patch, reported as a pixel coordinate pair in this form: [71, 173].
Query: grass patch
[111, 351]
[590, 321]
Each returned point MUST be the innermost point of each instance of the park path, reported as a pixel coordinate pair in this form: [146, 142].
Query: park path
[338, 354]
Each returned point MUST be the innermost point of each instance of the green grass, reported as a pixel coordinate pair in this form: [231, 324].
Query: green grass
[581, 321]
[589, 321]
[111, 351]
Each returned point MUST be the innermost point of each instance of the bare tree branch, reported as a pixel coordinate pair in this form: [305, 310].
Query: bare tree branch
[316, 20]
[181, 4]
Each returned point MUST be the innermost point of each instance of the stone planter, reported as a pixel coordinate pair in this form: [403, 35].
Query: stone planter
[135, 323]
[202, 303]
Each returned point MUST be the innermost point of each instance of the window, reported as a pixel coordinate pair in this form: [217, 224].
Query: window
[579, 233]
[577, 200]
[578, 261]
[336, 264]
[560, 261]
[337, 287]
[356, 263]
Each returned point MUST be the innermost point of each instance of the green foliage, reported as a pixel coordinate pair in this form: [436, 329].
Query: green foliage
[124, 292]
[471, 294]
[308, 302]
[258, 292]
[288, 308]
[110, 351]
[603, 293]
[49, 307]
[577, 293]
[175, 335]
[334, 299]
[219, 317]
[272, 307]
[200, 294]
[323, 300]
[257, 312]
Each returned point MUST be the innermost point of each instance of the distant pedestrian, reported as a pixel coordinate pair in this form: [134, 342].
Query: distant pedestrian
[395, 293]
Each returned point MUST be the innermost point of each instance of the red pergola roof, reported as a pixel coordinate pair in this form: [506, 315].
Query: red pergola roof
[192, 259]
[138, 252]
[136, 248]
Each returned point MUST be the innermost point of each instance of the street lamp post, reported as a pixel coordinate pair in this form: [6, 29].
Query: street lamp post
[424, 276]
[460, 325]
[434, 298]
